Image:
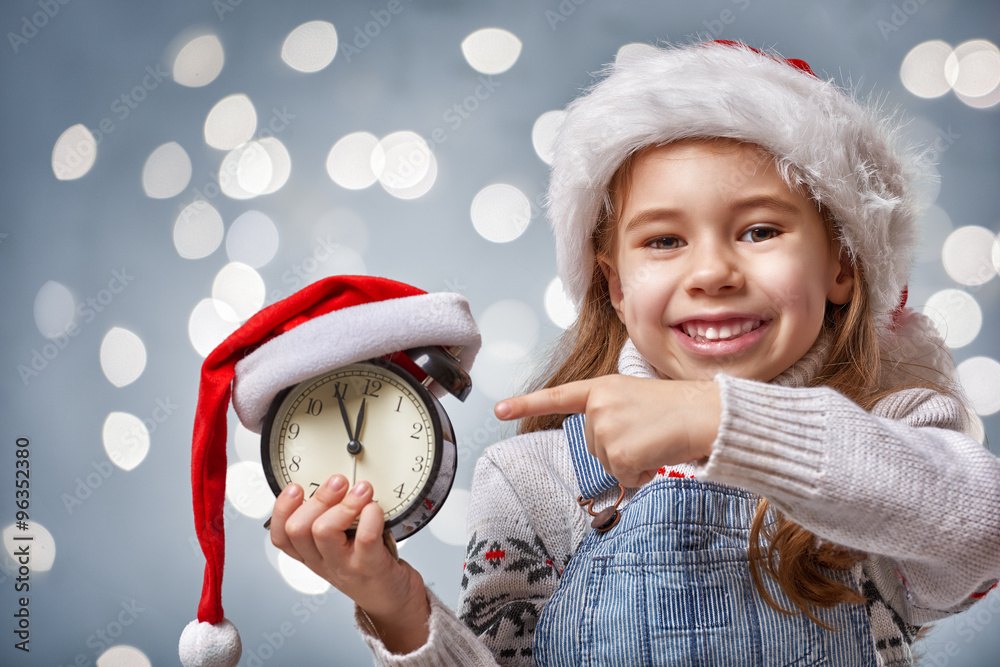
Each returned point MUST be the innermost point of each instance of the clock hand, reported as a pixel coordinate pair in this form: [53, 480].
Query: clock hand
[361, 421]
[354, 446]
[347, 421]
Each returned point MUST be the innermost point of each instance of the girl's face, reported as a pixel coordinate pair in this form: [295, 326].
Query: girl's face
[718, 266]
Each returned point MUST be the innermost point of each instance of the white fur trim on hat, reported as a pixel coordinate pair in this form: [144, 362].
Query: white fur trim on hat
[843, 152]
[348, 335]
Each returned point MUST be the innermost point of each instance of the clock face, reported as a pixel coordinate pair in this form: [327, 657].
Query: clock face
[367, 421]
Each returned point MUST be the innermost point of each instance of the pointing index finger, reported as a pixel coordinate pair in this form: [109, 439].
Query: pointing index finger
[567, 398]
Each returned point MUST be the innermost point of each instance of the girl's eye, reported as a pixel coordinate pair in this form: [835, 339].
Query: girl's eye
[758, 234]
[665, 243]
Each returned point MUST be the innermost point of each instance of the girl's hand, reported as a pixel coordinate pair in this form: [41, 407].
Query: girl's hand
[314, 532]
[634, 425]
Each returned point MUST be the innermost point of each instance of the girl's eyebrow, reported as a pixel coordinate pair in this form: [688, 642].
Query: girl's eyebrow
[651, 214]
[765, 201]
[771, 202]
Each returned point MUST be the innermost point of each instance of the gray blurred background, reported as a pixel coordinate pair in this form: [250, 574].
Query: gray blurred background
[129, 247]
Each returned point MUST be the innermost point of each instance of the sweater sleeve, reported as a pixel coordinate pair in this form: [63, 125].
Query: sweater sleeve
[521, 533]
[901, 483]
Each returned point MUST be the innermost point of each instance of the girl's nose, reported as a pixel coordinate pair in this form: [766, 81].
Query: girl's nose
[713, 270]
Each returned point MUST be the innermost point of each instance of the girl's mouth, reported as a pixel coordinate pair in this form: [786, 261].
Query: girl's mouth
[702, 331]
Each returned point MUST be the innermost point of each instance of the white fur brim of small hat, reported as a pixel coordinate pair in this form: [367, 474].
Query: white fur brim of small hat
[348, 335]
[848, 157]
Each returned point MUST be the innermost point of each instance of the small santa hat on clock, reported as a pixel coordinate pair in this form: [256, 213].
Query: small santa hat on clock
[330, 323]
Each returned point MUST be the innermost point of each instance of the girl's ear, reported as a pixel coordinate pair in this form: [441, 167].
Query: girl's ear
[614, 284]
[842, 286]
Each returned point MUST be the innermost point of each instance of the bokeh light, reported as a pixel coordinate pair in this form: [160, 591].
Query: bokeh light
[449, 523]
[973, 70]
[198, 230]
[122, 655]
[123, 357]
[405, 164]
[271, 552]
[247, 489]
[956, 315]
[281, 164]
[922, 71]
[43, 546]
[231, 122]
[349, 162]
[980, 378]
[199, 62]
[55, 310]
[241, 287]
[491, 50]
[310, 47]
[167, 171]
[211, 321]
[543, 133]
[255, 168]
[252, 239]
[967, 255]
[558, 306]
[126, 439]
[500, 212]
[74, 153]
[300, 577]
[245, 171]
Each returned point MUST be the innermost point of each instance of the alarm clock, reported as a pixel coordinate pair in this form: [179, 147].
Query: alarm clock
[371, 420]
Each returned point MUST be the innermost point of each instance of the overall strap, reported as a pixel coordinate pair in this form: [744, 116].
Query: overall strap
[590, 475]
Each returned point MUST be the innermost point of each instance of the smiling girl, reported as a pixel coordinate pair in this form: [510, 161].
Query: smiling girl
[747, 450]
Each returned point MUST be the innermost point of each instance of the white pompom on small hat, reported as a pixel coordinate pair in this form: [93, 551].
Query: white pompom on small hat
[328, 324]
[849, 157]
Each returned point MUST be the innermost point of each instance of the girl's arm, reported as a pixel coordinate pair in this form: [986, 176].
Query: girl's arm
[511, 569]
[902, 483]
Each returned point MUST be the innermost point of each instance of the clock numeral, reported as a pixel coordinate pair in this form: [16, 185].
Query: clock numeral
[315, 407]
[294, 465]
[314, 490]
[399, 403]
[340, 390]
[417, 428]
[418, 464]
[293, 431]
[399, 491]
[372, 388]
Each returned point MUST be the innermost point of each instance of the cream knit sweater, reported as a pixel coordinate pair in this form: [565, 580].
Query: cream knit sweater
[901, 483]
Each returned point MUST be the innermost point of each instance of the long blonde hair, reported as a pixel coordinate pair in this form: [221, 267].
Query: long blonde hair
[591, 346]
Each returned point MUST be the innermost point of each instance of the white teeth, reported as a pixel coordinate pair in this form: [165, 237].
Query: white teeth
[702, 333]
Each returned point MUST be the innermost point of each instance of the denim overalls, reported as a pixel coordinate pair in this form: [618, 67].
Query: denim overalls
[670, 585]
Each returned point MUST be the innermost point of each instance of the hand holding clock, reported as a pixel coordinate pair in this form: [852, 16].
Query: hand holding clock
[314, 532]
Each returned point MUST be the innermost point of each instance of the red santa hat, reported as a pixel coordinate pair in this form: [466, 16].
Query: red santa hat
[330, 323]
[848, 155]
